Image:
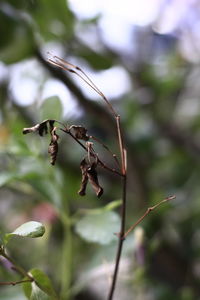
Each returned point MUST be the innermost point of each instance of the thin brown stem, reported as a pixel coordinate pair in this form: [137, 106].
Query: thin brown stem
[123, 212]
[120, 243]
[18, 268]
[121, 145]
[72, 68]
[65, 65]
[15, 282]
[149, 209]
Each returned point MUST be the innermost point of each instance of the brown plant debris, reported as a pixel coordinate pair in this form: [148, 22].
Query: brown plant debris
[53, 146]
[89, 173]
[80, 132]
[84, 181]
[41, 128]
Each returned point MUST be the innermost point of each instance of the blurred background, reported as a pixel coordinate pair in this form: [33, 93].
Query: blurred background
[144, 56]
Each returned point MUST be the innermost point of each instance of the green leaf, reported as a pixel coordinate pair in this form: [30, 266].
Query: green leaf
[37, 293]
[51, 108]
[99, 227]
[30, 229]
[17, 38]
[27, 288]
[41, 288]
[56, 14]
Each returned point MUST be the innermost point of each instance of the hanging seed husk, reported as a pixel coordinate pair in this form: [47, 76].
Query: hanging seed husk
[53, 146]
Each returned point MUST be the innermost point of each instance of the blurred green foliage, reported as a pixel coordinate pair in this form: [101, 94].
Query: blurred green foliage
[161, 129]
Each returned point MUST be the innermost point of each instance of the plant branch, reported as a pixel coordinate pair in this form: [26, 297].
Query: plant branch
[149, 209]
[123, 207]
[120, 241]
[136, 167]
[76, 70]
[18, 268]
[90, 106]
[121, 145]
[15, 282]
[65, 65]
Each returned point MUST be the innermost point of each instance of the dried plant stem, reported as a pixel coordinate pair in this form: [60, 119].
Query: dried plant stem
[149, 209]
[61, 63]
[121, 145]
[123, 207]
[120, 242]
[15, 282]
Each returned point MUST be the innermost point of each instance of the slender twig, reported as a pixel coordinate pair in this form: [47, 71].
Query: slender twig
[18, 268]
[149, 209]
[15, 282]
[120, 241]
[59, 62]
[65, 65]
[121, 145]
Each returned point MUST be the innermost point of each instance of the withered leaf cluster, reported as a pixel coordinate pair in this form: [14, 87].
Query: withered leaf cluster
[89, 173]
[88, 165]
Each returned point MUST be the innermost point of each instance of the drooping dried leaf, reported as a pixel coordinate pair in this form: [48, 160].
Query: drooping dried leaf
[53, 146]
[84, 181]
[89, 172]
[80, 132]
[41, 128]
[31, 129]
[93, 178]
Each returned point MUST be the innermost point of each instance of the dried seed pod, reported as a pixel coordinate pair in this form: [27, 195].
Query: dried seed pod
[53, 146]
[80, 132]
